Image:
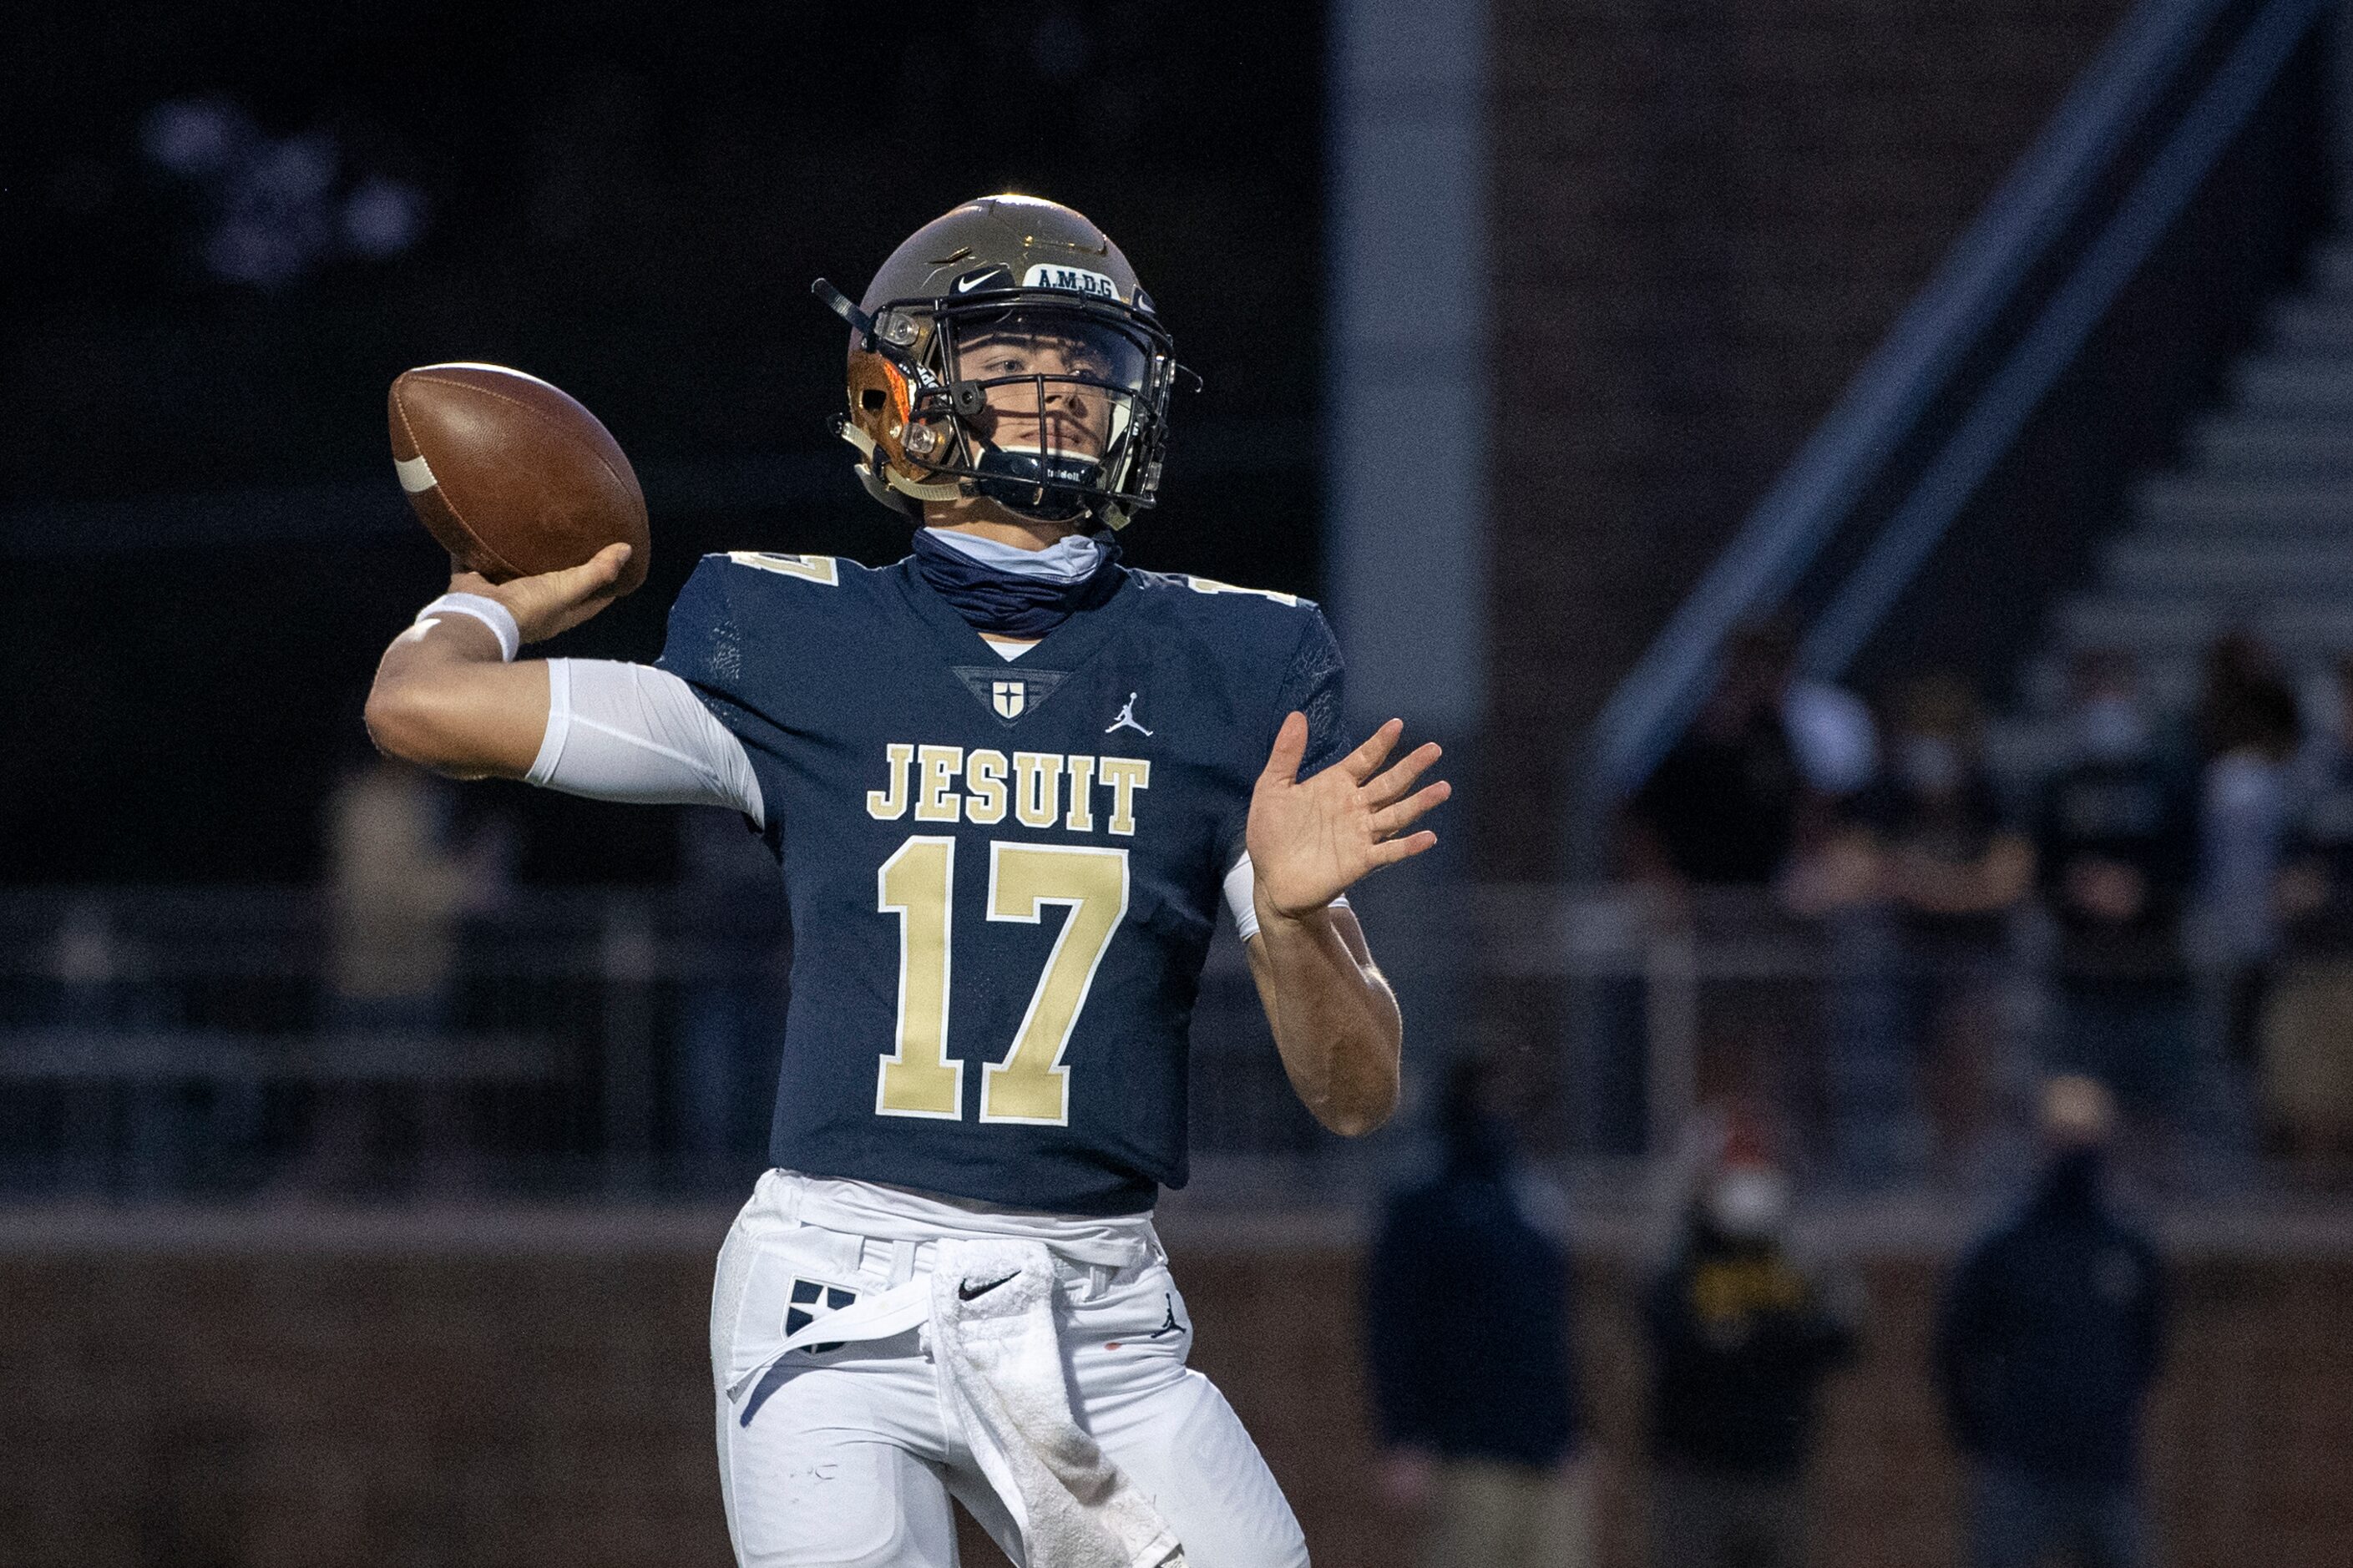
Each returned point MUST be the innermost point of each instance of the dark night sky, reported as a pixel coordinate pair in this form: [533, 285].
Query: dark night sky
[628, 200]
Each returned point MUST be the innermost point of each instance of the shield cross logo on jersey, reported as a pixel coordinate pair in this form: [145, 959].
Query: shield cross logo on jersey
[1009, 697]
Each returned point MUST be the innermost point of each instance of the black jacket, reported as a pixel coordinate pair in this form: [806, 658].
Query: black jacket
[2052, 1332]
[1740, 1341]
[2142, 814]
[1466, 1310]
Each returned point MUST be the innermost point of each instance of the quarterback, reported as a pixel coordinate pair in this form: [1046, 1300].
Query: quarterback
[1008, 783]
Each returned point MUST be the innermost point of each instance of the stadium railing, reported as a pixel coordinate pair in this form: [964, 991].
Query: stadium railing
[619, 1044]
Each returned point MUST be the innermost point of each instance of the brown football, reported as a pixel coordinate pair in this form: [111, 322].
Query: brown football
[512, 476]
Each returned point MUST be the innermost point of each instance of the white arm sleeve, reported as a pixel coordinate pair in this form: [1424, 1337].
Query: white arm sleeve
[1241, 883]
[632, 732]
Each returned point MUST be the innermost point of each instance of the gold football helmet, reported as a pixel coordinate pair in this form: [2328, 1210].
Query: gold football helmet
[1006, 350]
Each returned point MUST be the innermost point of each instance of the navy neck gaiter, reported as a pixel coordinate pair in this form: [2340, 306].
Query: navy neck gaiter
[1008, 604]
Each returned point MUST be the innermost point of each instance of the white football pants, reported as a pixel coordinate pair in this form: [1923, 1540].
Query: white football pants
[846, 1458]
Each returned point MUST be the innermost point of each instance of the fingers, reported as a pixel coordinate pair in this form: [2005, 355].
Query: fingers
[1389, 851]
[553, 601]
[1409, 811]
[586, 589]
[1361, 763]
[568, 586]
[1289, 747]
[574, 584]
[1391, 786]
[594, 575]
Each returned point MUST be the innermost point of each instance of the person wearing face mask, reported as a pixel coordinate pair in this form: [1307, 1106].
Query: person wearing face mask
[1741, 1339]
[2050, 1334]
[2116, 843]
[1931, 872]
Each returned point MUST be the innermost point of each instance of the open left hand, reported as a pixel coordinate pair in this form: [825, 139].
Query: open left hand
[1312, 839]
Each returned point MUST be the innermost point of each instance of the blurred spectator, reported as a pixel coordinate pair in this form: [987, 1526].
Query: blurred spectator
[395, 894]
[2307, 1032]
[2248, 728]
[1922, 881]
[1721, 809]
[1741, 1338]
[174, 1132]
[2116, 841]
[733, 1011]
[1741, 808]
[2050, 1335]
[1467, 1309]
[1947, 858]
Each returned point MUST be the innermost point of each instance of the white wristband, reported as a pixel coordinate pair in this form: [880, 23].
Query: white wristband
[1241, 900]
[489, 611]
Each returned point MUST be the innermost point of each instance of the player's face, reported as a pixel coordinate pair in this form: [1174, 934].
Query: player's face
[1050, 385]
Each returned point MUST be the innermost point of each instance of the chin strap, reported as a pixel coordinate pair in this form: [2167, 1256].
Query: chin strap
[882, 480]
[887, 485]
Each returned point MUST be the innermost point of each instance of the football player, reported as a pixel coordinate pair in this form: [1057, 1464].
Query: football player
[1007, 781]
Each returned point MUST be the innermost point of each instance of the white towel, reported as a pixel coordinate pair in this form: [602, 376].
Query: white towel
[1000, 1365]
[872, 1317]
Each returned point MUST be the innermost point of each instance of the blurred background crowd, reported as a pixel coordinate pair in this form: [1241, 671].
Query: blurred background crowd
[1864, 494]
[2150, 894]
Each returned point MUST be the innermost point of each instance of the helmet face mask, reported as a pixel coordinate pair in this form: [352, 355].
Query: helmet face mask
[1047, 396]
[1066, 400]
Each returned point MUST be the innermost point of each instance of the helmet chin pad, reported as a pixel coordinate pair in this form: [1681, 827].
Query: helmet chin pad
[1048, 486]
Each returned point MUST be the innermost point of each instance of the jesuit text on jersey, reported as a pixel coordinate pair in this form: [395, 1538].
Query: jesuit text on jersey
[1034, 787]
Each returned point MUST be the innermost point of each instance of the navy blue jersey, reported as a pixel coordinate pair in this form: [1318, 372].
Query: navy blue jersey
[1002, 877]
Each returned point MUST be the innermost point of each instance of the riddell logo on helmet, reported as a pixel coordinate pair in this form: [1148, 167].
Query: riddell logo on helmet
[1077, 279]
